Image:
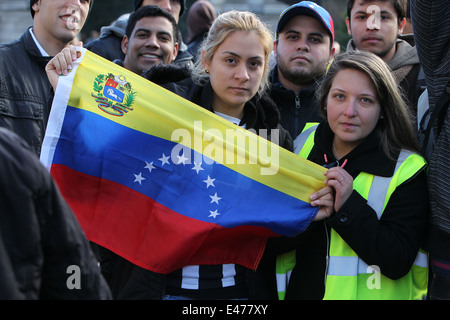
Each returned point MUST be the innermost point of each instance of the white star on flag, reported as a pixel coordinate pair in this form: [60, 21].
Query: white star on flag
[197, 167]
[164, 159]
[149, 166]
[209, 182]
[215, 198]
[139, 178]
[214, 214]
[182, 159]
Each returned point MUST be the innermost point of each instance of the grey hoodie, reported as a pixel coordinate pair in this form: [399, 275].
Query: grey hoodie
[404, 59]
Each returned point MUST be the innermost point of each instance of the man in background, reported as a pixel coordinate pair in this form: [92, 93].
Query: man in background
[302, 50]
[25, 92]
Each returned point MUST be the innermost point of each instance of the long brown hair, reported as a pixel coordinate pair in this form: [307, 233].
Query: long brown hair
[397, 123]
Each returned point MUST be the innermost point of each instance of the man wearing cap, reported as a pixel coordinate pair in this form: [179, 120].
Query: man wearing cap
[25, 92]
[108, 45]
[302, 50]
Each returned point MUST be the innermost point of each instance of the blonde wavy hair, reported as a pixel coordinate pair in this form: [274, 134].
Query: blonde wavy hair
[225, 24]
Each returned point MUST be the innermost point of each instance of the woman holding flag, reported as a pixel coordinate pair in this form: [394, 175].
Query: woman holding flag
[229, 80]
[370, 247]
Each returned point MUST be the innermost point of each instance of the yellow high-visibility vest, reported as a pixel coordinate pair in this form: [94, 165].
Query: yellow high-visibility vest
[348, 276]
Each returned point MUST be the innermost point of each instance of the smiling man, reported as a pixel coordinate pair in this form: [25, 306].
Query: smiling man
[108, 45]
[25, 92]
[303, 49]
[150, 39]
[377, 26]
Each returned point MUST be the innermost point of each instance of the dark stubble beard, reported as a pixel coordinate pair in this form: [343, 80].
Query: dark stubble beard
[301, 77]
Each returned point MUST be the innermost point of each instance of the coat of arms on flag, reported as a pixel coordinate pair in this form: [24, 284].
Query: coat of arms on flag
[159, 212]
[113, 94]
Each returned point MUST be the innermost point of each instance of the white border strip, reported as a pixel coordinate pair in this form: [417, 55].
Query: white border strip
[58, 112]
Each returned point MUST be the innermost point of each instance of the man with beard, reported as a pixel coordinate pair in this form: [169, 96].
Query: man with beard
[377, 26]
[302, 50]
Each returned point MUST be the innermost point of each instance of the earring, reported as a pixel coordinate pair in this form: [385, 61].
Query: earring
[207, 71]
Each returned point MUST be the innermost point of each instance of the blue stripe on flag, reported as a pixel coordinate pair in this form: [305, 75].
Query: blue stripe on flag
[96, 146]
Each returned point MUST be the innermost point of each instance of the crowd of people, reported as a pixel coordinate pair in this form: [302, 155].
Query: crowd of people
[374, 115]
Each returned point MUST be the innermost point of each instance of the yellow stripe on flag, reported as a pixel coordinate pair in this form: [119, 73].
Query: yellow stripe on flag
[159, 112]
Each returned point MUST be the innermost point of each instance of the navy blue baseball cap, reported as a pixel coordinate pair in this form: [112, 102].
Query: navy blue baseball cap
[307, 8]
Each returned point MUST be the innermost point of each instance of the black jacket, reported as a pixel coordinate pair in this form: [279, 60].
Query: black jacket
[391, 243]
[431, 29]
[40, 238]
[295, 109]
[132, 282]
[25, 91]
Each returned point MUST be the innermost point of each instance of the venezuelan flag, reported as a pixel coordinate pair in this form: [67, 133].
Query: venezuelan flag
[165, 183]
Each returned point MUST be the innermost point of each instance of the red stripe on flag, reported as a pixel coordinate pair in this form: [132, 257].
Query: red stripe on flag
[149, 234]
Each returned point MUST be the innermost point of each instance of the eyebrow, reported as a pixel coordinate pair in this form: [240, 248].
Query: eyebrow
[315, 33]
[385, 12]
[365, 94]
[150, 31]
[236, 55]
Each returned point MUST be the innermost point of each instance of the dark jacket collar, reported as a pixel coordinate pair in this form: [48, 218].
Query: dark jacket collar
[258, 112]
[32, 49]
[367, 157]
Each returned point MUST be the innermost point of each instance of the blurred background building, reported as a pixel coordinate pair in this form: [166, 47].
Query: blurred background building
[15, 15]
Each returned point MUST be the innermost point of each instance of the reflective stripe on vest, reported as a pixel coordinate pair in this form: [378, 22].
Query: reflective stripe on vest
[301, 139]
[285, 263]
[348, 275]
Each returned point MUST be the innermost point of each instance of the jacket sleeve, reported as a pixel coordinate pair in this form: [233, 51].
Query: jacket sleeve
[391, 243]
[70, 269]
[47, 249]
[431, 32]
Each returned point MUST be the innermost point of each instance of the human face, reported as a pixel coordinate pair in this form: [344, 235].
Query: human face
[150, 43]
[173, 6]
[236, 70]
[59, 20]
[353, 109]
[376, 31]
[302, 52]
